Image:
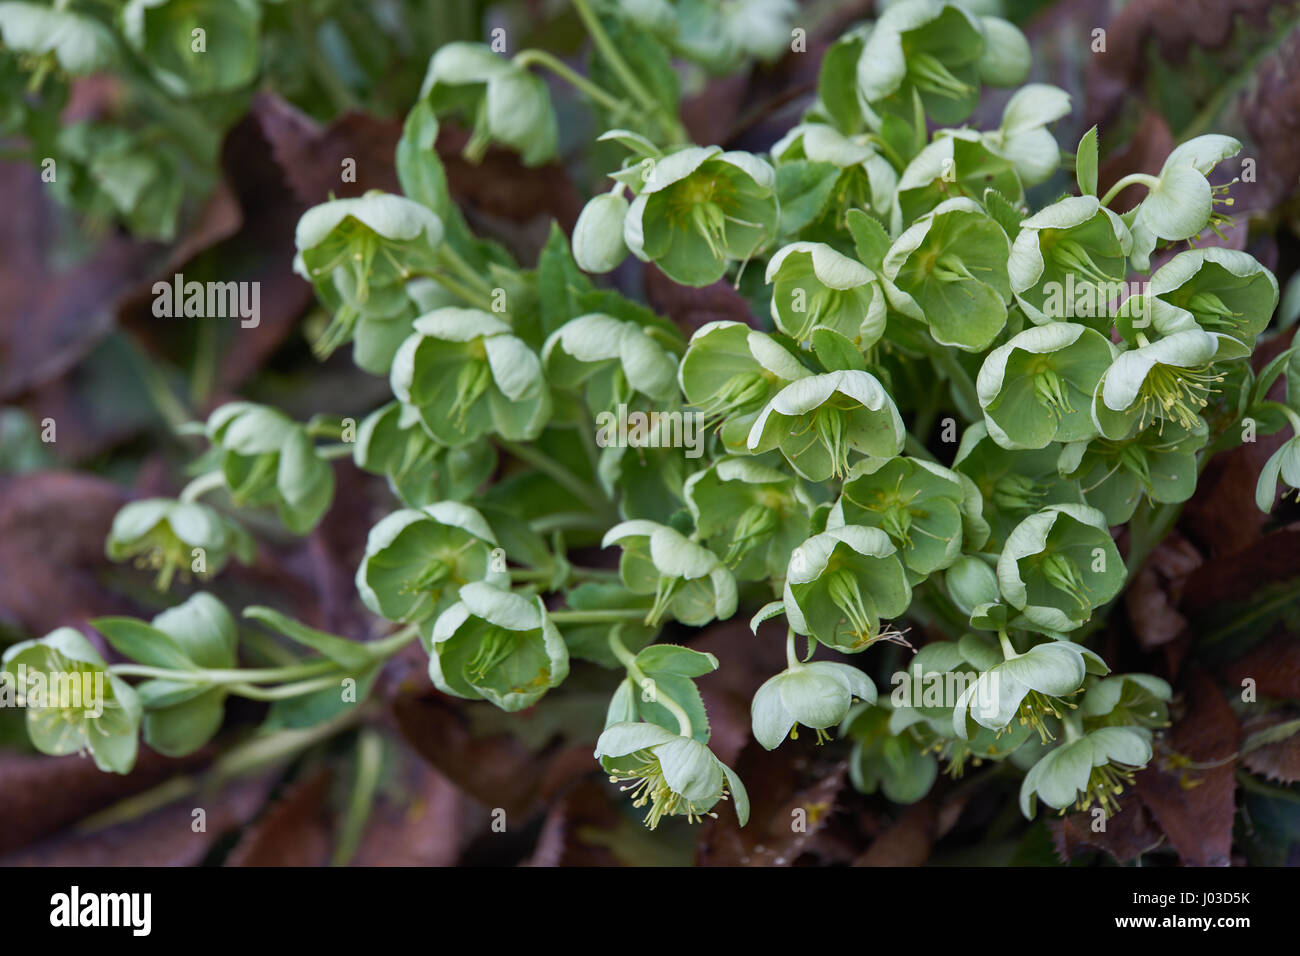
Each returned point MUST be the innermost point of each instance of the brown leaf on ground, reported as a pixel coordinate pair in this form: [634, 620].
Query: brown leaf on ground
[744, 662]
[1152, 599]
[578, 829]
[1274, 667]
[52, 530]
[419, 820]
[297, 830]
[1127, 834]
[1195, 807]
[908, 841]
[165, 837]
[1280, 760]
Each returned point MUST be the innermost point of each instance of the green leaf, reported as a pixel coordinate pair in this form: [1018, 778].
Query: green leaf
[348, 654]
[1085, 163]
[869, 238]
[143, 643]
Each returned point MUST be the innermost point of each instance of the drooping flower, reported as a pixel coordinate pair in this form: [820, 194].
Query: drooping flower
[817, 695]
[1094, 768]
[170, 536]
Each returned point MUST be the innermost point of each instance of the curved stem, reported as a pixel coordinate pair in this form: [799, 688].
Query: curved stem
[200, 486]
[285, 691]
[599, 616]
[628, 660]
[1132, 179]
[579, 82]
[335, 450]
[562, 476]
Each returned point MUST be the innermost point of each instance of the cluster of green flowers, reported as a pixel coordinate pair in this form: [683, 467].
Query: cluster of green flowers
[907, 282]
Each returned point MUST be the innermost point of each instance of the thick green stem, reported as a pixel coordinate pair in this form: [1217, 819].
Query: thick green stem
[579, 82]
[1132, 179]
[628, 660]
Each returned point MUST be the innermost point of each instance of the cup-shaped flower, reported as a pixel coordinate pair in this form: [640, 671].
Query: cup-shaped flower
[916, 502]
[813, 285]
[78, 43]
[267, 459]
[73, 704]
[701, 208]
[467, 375]
[928, 47]
[502, 102]
[169, 536]
[1170, 379]
[751, 514]
[1285, 464]
[1181, 201]
[687, 579]
[1159, 463]
[1029, 688]
[392, 443]
[817, 695]
[1011, 484]
[1069, 261]
[1140, 700]
[729, 373]
[1058, 565]
[160, 31]
[417, 560]
[670, 774]
[1037, 388]
[1218, 290]
[598, 244]
[841, 583]
[1022, 137]
[612, 357]
[817, 421]
[496, 645]
[1094, 768]
[949, 271]
[959, 163]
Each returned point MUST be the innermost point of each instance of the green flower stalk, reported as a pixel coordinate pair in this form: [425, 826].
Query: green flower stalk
[176, 536]
[816, 287]
[841, 583]
[701, 208]
[1093, 768]
[819, 420]
[672, 775]
[1037, 389]
[466, 375]
[498, 646]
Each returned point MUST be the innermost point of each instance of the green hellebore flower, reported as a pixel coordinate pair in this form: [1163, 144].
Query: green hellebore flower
[1037, 388]
[1006, 57]
[267, 459]
[932, 48]
[916, 502]
[498, 646]
[1069, 262]
[672, 774]
[1283, 463]
[358, 255]
[1029, 688]
[467, 375]
[1218, 290]
[598, 244]
[79, 44]
[1182, 201]
[701, 208]
[949, 271]
[1159, 463]
[161, 32]
[1126, 700]
[1023, 137]
[391, 442]
[817, 695]
[1095, 768]
[815, 286]
[73, 704]
[720, 34]
[687, 579]
[971, 583]
[179, 717]
[959, 163]
[417, 560]
[753, 514]
[614, 355]
[730, 371]
[1170, 379]
[816, 421]
[504, 103]
[865, 179]
[1060, 564]
[897, 764]
[168, 536]
[1011, 484]
[839, 585]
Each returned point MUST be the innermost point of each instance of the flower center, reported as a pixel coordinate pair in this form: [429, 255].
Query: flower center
[1065, 576]
[756, 523]
[650, 787]
[497, 644]
[1105, 783]
[931, 76]
[1174, 393]
[471, 382]
[1049, 389]
[1018, 493]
